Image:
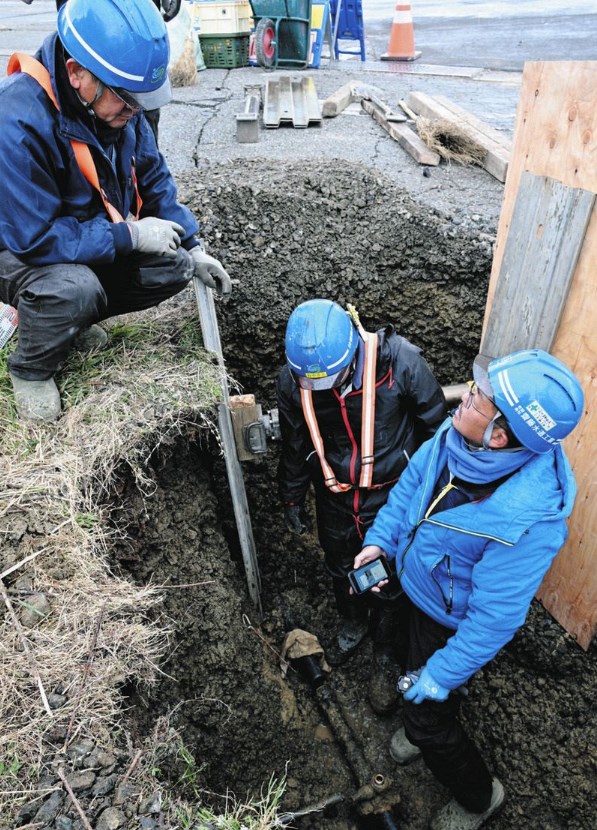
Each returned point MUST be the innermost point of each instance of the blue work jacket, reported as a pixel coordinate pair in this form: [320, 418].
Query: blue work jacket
[49, 213]
[476, 567]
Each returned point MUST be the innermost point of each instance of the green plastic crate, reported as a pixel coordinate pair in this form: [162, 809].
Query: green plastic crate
[229, 52]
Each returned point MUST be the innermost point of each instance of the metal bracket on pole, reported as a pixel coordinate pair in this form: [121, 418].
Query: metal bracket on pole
[211, 341]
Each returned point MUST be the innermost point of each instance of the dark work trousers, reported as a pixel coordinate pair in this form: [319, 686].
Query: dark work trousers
[434, 727]
[56, 302]
[341, 538]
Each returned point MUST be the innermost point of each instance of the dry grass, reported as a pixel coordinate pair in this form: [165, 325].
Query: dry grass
[150, 385]
[449, 141]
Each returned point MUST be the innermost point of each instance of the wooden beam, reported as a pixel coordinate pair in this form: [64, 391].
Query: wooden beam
[403, 134]
[554, 136]
[497, 148]
[337, 101]
[546, 234]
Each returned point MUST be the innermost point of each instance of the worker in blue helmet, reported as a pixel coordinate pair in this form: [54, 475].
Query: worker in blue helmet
[169, 9]
[471, 528]
[90, 226]
[353, 408]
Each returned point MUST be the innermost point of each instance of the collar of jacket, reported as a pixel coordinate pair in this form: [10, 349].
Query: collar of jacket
[542, 490]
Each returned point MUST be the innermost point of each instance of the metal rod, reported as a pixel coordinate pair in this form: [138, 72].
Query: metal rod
[211, 341]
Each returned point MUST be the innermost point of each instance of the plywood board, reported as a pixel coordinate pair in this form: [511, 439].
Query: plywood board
[555, 136]
[547, 231]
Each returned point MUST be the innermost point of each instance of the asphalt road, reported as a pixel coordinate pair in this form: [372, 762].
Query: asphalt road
[473, 53]
[498, 35]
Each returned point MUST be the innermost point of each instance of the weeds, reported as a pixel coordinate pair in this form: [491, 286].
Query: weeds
[151, 384]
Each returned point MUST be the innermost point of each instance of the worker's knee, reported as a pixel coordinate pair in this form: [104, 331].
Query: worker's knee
[72, 292]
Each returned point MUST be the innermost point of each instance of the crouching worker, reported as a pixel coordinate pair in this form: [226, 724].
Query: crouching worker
[353, 408]
[472, 526]
[77, 159]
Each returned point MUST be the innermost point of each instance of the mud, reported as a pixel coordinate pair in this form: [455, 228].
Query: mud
[289, 235]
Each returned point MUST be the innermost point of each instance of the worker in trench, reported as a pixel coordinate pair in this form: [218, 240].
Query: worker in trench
[470, 530]
[90, 225]
[338, 378]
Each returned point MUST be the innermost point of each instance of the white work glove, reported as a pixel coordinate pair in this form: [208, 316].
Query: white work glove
[210, 271]
[156, 236]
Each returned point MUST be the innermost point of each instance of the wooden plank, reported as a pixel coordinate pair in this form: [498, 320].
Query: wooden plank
[337, 101]
[554, 136]
[497, 150]
[546, 234]
[493, 135]
[403, 134]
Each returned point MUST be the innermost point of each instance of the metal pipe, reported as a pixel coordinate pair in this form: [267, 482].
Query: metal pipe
[455, 392]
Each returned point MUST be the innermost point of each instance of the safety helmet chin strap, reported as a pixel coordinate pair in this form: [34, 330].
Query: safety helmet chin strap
[489, 431]
[89, 105]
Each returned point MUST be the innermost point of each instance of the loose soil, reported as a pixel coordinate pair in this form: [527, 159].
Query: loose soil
[291, 234]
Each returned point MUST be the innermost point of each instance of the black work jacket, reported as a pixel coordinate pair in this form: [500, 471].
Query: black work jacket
[409, 406]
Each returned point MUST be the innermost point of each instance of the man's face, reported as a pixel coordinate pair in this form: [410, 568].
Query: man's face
[473, 415]
[107, 105]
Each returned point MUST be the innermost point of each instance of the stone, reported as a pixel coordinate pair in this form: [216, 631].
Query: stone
[146, 823]
[56, 701]
[103, 786]
[35, 608]
[152, 804]
[50, 808]
[99, 758]
[111, 819]
[80, 749]
[81, 780]
[63, 823]
[127, 791]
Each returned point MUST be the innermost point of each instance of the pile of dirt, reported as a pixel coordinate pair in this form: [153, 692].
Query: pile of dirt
[293, 233]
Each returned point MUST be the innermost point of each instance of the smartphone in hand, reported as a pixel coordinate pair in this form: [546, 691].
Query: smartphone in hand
[367, 576]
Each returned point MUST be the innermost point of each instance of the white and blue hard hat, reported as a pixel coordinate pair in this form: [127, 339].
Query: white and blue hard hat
[321, 341]
[124, 43]
[540, 397]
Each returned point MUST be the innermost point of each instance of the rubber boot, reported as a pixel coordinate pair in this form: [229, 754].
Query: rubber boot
[456, 817]
[381, 690]
[346, 641]
[92, 339]
[354, 625]
[401, 749]
[36, 400]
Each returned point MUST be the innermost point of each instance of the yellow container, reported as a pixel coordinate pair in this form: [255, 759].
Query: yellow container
[234, 17]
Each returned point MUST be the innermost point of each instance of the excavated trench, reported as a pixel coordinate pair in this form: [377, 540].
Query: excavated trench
[290, 235]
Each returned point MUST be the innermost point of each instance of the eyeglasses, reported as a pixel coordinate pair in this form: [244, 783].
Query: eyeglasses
[123, 96]
[126, 98]
[469, 401]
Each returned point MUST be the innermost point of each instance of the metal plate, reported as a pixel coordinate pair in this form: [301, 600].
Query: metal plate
[291, 99]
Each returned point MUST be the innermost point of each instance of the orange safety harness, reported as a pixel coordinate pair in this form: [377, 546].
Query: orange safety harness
[367, 422]
[20, 62]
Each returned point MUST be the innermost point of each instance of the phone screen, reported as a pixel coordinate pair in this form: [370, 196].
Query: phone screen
[368, 575]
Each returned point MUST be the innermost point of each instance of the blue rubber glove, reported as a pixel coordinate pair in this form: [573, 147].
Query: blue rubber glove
[426, 688]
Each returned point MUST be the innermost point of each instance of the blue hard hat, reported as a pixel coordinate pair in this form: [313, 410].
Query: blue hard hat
[321, 341]
[124, 43]
[540, 397]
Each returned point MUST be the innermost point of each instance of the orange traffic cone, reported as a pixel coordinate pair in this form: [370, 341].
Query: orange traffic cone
[402, 37]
